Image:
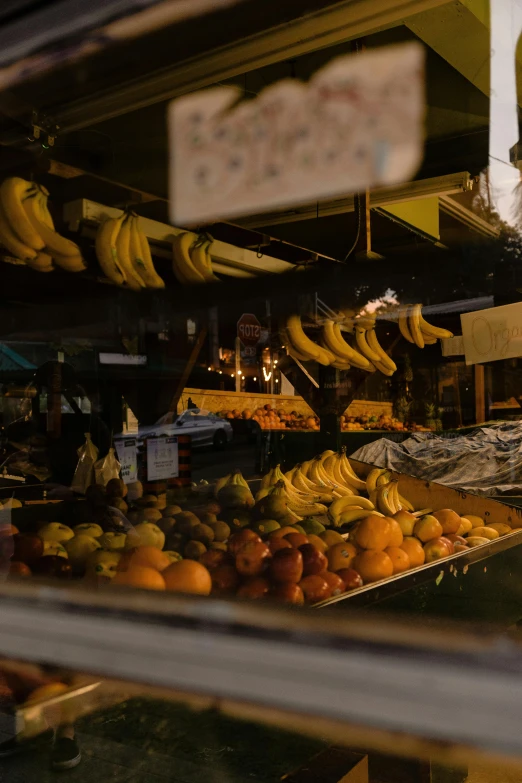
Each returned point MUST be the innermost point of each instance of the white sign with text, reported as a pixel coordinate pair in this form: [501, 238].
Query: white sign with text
[128, 458]
[358, 123]
[493, 334]
[162, 458]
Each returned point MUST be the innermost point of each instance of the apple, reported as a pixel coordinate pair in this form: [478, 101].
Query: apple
[55, 531]
[448, 542]
[297, 539]
[54, 548]
[239, 539]
[287, 565]
[351, 578]
[214, 558]
[113, 541]
[456, 539]
[28, 548]
[174, 557]
[275, 544]
[254, 588]
[103, 562]
[148, 534]
[427, 527]
[53, 565]
[334, 581]
[288, 592]
[225, 579]
[252, 558]
[406, 521]
[314, 561]
[449, 520]
[315, 588]
[88, 529]
[16, 568]
[436, 548]
[79, 548]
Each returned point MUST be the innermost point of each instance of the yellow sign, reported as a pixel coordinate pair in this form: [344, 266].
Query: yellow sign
[493, 334]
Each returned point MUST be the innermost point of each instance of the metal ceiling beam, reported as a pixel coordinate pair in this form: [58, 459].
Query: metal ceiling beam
[326, 27]
[380, 197]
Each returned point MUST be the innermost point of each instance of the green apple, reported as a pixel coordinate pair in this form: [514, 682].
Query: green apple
[103, 562]
[173, 556]
[115, 542]
[55, 531]
[79, 548]
[54, 548]
[88, 529]
[145, 534]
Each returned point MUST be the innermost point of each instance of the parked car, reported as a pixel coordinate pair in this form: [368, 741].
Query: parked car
[204, 428]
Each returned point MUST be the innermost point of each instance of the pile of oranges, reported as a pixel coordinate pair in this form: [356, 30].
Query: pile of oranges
[149, 568]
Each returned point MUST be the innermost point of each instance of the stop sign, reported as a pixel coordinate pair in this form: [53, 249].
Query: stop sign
[249, 330]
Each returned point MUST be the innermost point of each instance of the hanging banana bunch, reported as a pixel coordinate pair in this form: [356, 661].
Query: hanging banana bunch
[416, 330]
[123, 252]
[192, 259]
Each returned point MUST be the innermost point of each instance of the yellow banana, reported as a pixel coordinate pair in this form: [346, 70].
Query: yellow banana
[414, 322]
[222, 482]
[383, 479]
[403, 323]
[267, 480]
[13, 192]
[106, 252]
[289, 348]
[371, 478]
[385, 501]
[201, 259]
[375, 345]
[333, 469]
[428, 338]
[350, 476]
[42, 263]
[434, 331]
[394, 495]
[302, 483]
[66, 253]
[141, 258]
[354, 515]
[185, 271]
[132, 279]
[337, 344]
[405, 503]
[302, 343]
[341, 365]
[363, 345]
[342, 504]
[11, 242]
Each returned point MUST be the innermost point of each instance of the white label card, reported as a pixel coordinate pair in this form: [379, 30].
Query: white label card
[358, 123]
[162, 458]
[128, 458]
[492, 334]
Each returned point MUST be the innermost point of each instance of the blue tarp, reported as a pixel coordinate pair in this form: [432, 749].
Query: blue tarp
[486, 462]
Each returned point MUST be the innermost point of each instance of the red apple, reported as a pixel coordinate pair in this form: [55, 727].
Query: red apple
[255, 588]
[334, 581]
[313, 560]
[214, 558]
[455, 539]
[297, 539]
[239, 539]
[225, 579]
[16, 568]
[449, 542]
[276, 544]
[315, 588]
[351, 578]
[436, 549]
[252, 558]
[287, 566]
[28, 548]
[288, 592]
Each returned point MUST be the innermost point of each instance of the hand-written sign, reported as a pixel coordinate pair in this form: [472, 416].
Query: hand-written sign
[358, 123]
[492, 334]
[162, 458]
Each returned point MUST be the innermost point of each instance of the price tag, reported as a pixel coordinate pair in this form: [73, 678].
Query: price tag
[128, 458]
[162, 458]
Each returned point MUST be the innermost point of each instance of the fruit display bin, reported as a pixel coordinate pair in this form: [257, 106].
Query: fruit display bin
[428, 494]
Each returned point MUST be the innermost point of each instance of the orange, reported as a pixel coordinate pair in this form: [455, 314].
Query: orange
[148, 556]
[140, 576]
[373, 565]
[396, 535]
[399, 558]
[188, 576]
[341, 556]
[449, 520]
[413, 548]
[427, 527]
[374, 533]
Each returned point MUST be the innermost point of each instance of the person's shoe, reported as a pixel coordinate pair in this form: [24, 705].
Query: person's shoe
[66, 754]
[15, 745]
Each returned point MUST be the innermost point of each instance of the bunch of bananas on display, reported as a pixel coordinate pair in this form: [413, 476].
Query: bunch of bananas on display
[415, 329]
[334, 350]
[123, 252]
[27, 228]
[191, 259]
